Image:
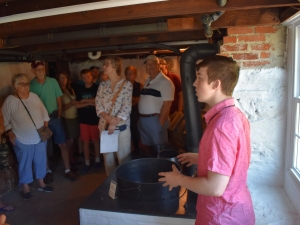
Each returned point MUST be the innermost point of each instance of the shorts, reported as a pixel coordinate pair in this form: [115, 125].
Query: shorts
[89, 132]
[58, 131]
[71, 127]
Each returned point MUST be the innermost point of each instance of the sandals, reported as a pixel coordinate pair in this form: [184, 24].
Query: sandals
[7, 208]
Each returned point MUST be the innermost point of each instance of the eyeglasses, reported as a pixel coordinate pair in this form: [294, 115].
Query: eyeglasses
[23, 84]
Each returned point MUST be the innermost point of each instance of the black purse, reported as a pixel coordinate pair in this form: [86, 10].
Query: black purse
[44, 132]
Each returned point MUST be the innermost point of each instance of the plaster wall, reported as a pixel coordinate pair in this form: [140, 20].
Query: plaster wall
[261, 95]
[7, 70]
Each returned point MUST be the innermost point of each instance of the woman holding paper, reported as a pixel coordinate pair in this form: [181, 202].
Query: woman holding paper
[113, 106]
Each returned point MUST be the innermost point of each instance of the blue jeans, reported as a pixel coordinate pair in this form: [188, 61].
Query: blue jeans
[27, 155]
[57, 129]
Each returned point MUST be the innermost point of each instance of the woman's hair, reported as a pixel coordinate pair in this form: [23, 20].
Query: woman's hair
[68, 86]
[18, 76]
[116, 63]
[221, 68]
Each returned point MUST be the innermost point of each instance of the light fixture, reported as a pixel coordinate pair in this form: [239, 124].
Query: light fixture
[73, 9]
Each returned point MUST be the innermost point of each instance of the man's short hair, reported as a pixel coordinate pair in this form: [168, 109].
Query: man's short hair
[133, 68]
[94, 67]
[84, 71]
[36, 63]
[221, 68]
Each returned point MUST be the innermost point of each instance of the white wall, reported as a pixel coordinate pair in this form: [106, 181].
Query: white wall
[261, 95]
[7, 70]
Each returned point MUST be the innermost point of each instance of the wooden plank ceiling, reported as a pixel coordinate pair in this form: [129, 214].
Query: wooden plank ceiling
[125, 30]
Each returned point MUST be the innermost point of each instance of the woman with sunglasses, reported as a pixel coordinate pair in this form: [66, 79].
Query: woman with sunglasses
[23, 135]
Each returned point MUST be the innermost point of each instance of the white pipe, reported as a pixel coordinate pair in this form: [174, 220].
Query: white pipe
[73, 9]
[94, 57]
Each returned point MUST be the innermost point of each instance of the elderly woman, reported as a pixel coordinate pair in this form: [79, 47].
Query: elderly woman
[115, 115]
[23, 135]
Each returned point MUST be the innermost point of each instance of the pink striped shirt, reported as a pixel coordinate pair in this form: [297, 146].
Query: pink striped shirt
[225, 149]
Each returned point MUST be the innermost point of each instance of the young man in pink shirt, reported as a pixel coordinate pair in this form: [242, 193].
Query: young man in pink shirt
[224, 151]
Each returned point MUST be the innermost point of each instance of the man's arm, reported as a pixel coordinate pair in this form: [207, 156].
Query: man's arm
[135, 100]
[59, 106]
[214, 184]
[180, 102]
[164, 112]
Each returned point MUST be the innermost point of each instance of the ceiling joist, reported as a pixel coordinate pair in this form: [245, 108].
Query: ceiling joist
[159, 9]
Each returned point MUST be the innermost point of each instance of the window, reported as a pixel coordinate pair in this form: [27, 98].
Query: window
[292, 162]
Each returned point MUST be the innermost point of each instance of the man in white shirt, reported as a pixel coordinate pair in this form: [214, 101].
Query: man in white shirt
[154, 106]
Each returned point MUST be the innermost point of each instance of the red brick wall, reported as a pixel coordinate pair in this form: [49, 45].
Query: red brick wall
[255, 46]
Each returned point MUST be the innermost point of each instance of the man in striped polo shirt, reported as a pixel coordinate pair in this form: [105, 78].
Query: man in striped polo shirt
[154, 106]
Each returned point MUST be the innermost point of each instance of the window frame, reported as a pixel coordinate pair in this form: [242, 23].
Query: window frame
[291, 175]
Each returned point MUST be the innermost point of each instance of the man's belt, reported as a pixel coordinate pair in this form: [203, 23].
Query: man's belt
[149, 115]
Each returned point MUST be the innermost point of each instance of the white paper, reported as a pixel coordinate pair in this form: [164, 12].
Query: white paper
[109, 142]
[112, 189]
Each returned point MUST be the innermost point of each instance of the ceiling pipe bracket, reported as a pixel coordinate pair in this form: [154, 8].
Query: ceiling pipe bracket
[222, 3]
[207, 19]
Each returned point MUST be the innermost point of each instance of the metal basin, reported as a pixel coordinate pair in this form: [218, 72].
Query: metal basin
[138, 180]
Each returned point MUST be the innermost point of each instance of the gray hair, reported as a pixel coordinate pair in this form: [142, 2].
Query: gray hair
[18, 76]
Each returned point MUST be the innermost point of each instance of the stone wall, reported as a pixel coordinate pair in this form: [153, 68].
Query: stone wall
[261, 94]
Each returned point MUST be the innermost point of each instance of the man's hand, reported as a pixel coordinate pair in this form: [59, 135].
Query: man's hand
[170, 178]
[189, 158]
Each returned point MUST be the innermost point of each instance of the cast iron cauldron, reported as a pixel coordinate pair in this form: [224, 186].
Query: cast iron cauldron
[169, 154]
[155, 149]
[138, 180]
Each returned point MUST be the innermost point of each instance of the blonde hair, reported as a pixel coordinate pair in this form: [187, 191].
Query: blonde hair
[116, 63]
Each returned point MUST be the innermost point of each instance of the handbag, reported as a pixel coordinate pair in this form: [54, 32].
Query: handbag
[44, 132]
[113, 102]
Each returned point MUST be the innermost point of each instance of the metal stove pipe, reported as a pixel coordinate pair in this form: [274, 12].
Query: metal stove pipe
[194, 129]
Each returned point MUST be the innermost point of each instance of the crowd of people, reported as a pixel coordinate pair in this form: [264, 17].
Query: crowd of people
[78, 113]
[103, 104]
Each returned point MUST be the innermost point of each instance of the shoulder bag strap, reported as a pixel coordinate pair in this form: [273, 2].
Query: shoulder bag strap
[115, 97]
[113, 102]
[26, 110]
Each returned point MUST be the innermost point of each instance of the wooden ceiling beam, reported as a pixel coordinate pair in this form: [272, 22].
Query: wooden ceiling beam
[254, 17]
[168, 8]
